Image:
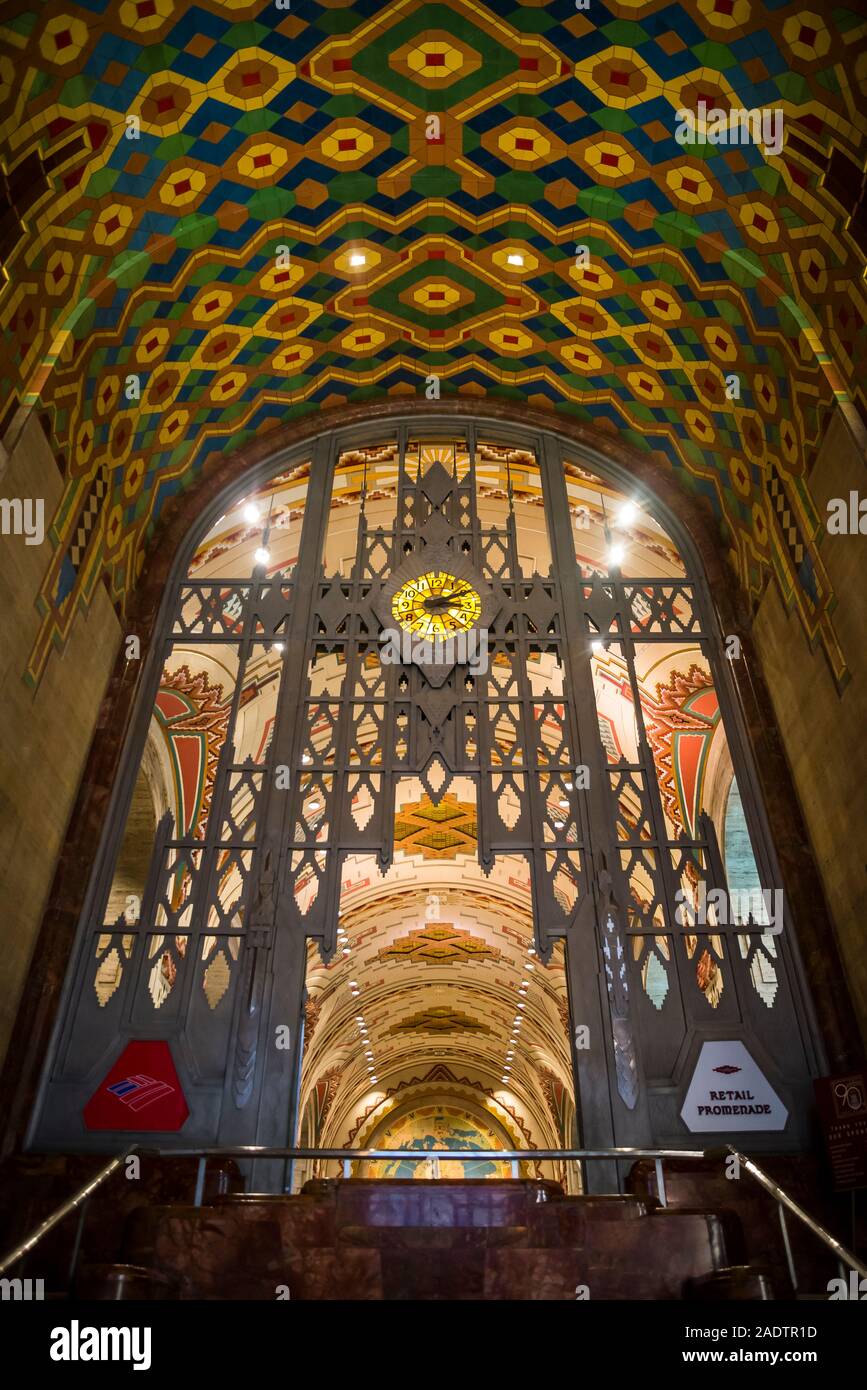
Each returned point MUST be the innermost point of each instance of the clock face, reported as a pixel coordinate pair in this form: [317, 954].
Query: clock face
[436, 604]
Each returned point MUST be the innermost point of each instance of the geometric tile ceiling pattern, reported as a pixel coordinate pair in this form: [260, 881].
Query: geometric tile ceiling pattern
[260, 128]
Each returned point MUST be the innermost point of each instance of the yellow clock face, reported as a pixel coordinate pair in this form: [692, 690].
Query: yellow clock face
[436, 605]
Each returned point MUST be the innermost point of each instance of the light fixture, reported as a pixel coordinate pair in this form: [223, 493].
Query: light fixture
[357, 258]
[374, 1079]
[251, 513]
[262, 555]
[530, 965]
[616, 554]
[314, 806]
[526, 982]
[504, 1080]
[277, 646]
[515, 258]
[522, 1006]
[306, 758]
[558, 825]
[353, 984]
[596, 645]
[627, 514]
[346, 950]
[531, 950]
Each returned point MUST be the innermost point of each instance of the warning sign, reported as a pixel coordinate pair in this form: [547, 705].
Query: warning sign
[141, 1092]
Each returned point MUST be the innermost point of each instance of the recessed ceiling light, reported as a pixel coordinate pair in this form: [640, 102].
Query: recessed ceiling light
[251, 513]
[374, 1079]
[314, 806]
[531, 950]
[346, 950]
[515, 258]
[530, 965]
[357, 258]
[526, 982]
[558, 825]
[522, 1006]
[262, 555]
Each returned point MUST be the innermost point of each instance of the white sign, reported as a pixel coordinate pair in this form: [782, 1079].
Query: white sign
[729, 1092]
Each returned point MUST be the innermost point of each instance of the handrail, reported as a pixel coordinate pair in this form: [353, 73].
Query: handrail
[420, 1155]
[774, 1190]
[349, 1156]
[69, 1205]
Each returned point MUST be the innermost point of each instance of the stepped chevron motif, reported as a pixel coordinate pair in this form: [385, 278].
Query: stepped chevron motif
[308, 128]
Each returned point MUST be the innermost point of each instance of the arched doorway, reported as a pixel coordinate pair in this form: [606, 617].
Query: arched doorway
[473, 645]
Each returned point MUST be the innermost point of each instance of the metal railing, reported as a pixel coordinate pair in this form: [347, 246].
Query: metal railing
[347, 1157]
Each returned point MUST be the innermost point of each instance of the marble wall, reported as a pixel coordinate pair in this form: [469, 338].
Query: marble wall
[45, 733]
[823, 729]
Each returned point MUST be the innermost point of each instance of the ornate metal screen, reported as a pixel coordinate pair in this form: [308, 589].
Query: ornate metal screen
[585, 704]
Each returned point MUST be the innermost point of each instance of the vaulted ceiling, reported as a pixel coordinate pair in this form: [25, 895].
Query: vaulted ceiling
[241, 205]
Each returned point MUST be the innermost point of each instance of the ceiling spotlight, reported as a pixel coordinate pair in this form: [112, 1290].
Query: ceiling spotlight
[596, 645]
[522, 1006]
[616, 554]
[346, 950]
[262, 555]
[515, 258]
[251, 513]
[353, 984]
[357, 258]
[504, 1079]
[524, 983]
[276, 646]
[531, 950]
[314, 806]
[306, 758]
[530, 965]
[374, 1079]
[627, 514]
[558, 825]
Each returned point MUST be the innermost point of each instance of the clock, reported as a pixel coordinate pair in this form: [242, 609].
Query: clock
[440, 606]
[436, 604]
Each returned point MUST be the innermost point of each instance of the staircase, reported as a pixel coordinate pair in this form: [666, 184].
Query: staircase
[359, 1239]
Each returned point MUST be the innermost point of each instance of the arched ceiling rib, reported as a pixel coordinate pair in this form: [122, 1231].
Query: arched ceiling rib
[257, 128]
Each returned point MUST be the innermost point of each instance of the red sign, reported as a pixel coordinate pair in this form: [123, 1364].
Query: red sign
[842, 1102]
[141, 1092]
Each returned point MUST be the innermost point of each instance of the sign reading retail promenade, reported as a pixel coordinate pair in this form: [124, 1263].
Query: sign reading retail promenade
[728, 1091]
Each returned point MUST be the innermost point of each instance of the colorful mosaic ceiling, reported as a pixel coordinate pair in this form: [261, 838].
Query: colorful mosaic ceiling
[161, 157]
